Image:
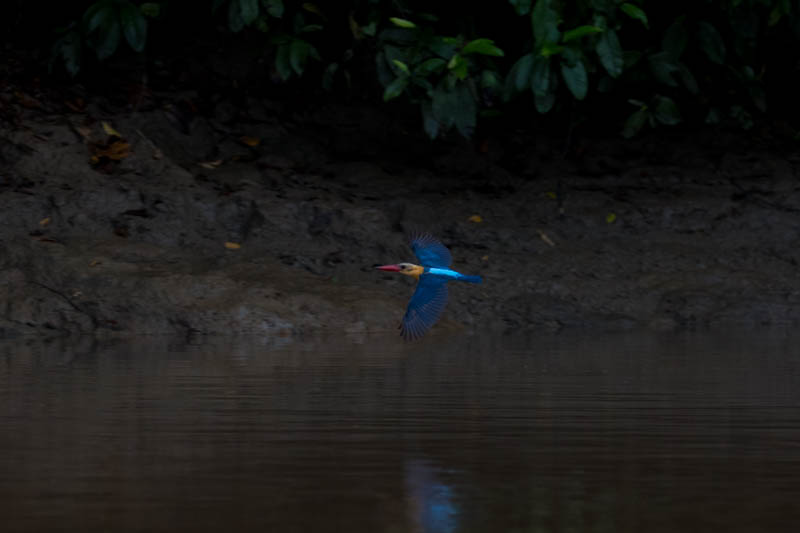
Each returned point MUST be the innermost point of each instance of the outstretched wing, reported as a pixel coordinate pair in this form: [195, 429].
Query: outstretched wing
[430, 251]
[425, 307]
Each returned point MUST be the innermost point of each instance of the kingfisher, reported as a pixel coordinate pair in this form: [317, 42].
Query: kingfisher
[432, 274]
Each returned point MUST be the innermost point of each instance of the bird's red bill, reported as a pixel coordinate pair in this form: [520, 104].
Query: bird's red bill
[389, 268]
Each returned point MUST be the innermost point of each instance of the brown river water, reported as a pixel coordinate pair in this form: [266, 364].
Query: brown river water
[636, 431]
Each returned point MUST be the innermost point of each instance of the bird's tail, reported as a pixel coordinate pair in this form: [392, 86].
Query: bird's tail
[471, 279]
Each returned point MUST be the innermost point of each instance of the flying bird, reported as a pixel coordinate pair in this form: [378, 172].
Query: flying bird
[432, 273]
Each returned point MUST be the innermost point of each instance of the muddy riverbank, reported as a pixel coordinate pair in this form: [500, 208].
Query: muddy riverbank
[258, 218]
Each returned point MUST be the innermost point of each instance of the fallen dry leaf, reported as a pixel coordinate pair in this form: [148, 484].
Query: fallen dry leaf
[211, 164]
[84, 131]
[77, 105]
[232, 245]
[27, 101]
[250, 141]
[95, 262]
[116, 151]
[111, 132]
[545, 238]
[45, 221]
[475, 218]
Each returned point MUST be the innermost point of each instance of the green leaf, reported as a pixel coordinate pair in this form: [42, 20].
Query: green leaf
[711, 42]
[481, 46]
[370, 29]
[522, 7]
[441, 47]
[442, 106]
[104, 25]
[775, 15]
[688, 79]
[328, 76]
[544, 102]
[549, 49]
[402, 23]
[635, 123]
[427, 67]
[666, 111]
[395, 52]
[458, 66]
[422, 82]
[429, 122]
[134, 25]
[402, 66]
[274, 7]
[675, 38]
[69, 48]
[235, 20]
[489, 79]
[395, 89]
[109, 40]
[635, 12]
[544, 83]
[610, 53]
[298, 55]
[382, 69]
[576, 78]
[466, 112]
[282, 64]
[663, 67]
[522, 72]
[96, 14]
[580, 31]
[545, 23]
[455, 107]
[248, 10]
[540, 76]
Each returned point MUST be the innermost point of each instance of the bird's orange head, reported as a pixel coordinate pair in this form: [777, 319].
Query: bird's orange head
[408, 269]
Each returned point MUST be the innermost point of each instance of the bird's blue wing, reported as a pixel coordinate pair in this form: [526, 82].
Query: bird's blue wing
[425, 307]
[430, 252]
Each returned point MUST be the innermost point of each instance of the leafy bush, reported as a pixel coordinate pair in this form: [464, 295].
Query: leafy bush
[102, 27]
[442, 74]
[703, 61]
